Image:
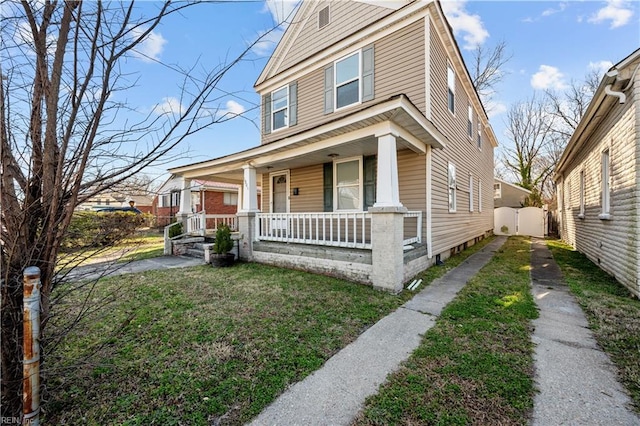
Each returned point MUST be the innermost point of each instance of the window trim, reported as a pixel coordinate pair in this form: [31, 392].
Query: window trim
[335, 80]
[499, 189]
[479, 195]
[605, 184]
[336, 201]
[273, 110]
[230, 194]
[470, 192]
[582, 195]
[470, 124]
[452, 188]
[451, 89]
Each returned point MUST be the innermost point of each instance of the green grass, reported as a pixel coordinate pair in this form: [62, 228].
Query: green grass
[613, 314]
[475, 366]
[200, 345]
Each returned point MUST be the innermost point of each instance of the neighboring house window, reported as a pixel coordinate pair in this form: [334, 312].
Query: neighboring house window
[497, 190]
[581, 214]
[280, 108]
[452, 188]
[451, 88]
[348, 188]
[470, 123]
[323, 18]
[606, 190]
[479, 136]
[170, 200]
[470, 193]
[349, 81]
[479, 195]
[230, 199]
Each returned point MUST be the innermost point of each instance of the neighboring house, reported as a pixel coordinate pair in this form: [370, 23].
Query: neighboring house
[506, 194]
[117, 199]
[377, 155]
[214, 198]
[598, 177]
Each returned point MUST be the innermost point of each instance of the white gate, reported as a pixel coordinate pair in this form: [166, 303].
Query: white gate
[525, 221]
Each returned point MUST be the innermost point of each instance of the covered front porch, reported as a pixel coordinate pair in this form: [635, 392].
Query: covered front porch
[331, 196]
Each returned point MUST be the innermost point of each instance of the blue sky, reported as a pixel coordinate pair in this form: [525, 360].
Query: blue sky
[551, 42]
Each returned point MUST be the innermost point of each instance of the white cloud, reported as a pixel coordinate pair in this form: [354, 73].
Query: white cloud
[471, 26]
[267, 42]
[600, 67]
[548, 77]
[169, 105]
[551, 11]
[619, 12]
[233, 108]
[151, 47]
[495, 108]
[280, 10]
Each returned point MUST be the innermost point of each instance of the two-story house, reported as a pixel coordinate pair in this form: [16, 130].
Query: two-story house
[376, 158]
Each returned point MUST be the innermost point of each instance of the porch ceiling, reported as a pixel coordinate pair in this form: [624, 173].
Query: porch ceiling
[352, 135]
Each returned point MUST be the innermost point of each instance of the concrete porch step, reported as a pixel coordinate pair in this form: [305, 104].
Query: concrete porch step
[193, 252]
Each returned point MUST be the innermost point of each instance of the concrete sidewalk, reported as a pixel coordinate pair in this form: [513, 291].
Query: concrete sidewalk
[103, 269]
[576, 380]
[335, 393]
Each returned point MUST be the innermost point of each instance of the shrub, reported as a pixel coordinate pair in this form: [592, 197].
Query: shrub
[175, 230]
[100, 229]
[223, 243]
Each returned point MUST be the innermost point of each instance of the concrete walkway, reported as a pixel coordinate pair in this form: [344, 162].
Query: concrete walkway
[102, 269]
[335, 393]
[576, 380]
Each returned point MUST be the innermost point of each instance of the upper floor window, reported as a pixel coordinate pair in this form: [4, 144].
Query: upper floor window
[479, 136]
[497, 190]
[451, 88]
[470, 123]
[280, 108]
[323, 17]
[349, 80]
[452, 188]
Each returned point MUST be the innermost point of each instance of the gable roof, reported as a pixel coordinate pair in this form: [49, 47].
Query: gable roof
[513, 185]
[615, 79]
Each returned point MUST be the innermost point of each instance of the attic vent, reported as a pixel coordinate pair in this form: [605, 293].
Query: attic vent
[323, 18]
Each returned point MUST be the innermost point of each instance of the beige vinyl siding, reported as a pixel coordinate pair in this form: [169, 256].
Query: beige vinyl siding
[398, 69]
[309, 180]
[346, 18]
[412, 180]
[452, 229]
[611, 244]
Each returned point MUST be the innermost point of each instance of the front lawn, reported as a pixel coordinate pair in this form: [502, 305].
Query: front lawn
[613, 314]
[475, 366]
[200, 346]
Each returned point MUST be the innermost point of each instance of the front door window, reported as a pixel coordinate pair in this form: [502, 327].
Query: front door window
[279, 183]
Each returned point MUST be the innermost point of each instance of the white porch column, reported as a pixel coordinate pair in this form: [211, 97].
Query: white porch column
[250, 189]
[388, 190]
[247, 210]
[185, 202]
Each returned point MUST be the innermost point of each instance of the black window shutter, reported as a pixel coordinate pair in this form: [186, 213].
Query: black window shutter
[328, 187]
[370, 172]
[266, 114]
[293, 103]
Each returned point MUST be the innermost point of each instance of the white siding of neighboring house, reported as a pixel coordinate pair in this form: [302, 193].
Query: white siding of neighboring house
[612, 244]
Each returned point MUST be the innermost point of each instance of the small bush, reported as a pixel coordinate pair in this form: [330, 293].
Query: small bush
[175, 230]
[223, 243]
[100, 229]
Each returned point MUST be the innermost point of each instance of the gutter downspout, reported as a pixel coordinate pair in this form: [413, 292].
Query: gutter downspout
[608, 91]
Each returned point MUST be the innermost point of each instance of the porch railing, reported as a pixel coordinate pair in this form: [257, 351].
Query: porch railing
[350, 230]
[199, 223]
[408, 219]
[196, 223]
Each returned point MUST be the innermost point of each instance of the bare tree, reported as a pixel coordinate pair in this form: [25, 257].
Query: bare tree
[529, 127]
[65, 135]
[487, 69]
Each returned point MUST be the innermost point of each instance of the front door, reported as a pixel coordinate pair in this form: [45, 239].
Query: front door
[279, 185]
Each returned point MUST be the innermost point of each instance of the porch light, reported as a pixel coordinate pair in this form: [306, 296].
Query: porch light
[333, 155]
